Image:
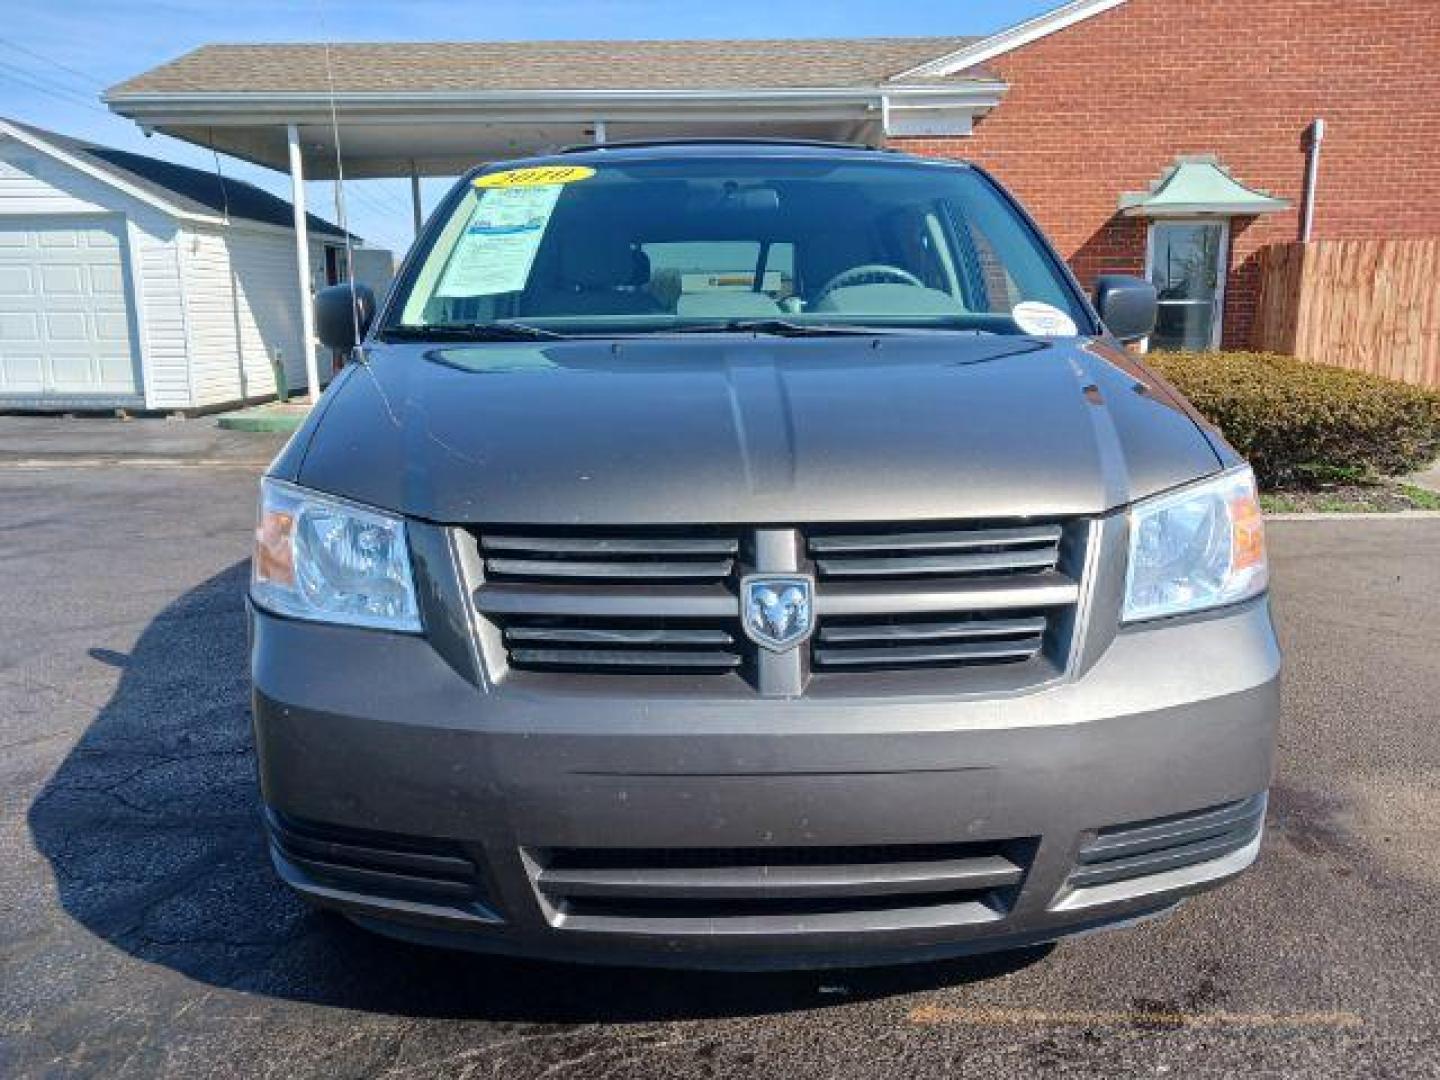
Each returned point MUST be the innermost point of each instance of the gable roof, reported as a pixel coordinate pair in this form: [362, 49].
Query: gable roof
[176, 189]
[956, 63]
[393, 67]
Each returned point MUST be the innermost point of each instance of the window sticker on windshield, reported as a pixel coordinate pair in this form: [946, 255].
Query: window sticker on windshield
[497, 249]
[536, 176]
[1043, 320]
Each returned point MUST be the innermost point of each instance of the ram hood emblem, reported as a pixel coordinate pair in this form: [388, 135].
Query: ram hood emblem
[779, 609]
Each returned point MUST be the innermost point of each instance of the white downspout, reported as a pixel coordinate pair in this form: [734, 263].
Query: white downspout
[302, 263]
[1312, 177]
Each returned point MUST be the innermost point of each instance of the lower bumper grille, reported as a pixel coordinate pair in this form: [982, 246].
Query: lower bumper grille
[777, 889]
[378, 864]
[1142, 848]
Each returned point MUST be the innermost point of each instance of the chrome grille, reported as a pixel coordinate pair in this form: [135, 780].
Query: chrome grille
[660, 602]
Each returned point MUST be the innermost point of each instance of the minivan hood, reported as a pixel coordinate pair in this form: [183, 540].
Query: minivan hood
[731, 429]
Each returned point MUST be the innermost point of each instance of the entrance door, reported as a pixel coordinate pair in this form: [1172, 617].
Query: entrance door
[1187, 262]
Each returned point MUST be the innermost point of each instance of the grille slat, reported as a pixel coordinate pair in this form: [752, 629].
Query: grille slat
[957, 564]
[613, 570]
[619, 635]
[1140, 849]
[824, 544]
[927, 631]
[640, 556]
[625, 658]
[614, 545]
[763, 890]
[907, 552]
[504, 599]
[783, 882]
[916, 655]
[406, 868]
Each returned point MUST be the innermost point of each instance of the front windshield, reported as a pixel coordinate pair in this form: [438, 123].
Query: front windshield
[646, 246]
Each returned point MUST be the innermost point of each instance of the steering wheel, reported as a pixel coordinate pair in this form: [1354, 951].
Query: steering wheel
[870, 272]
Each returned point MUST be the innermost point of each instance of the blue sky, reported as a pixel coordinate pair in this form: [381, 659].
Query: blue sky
[56, 56]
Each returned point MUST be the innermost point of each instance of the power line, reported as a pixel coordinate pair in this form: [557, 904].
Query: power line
[69, 97]
[85, 77]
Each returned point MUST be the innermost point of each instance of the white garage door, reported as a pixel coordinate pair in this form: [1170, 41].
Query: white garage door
[64, 312]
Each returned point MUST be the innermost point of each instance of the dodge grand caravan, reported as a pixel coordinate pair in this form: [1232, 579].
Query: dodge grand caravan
[741, 554]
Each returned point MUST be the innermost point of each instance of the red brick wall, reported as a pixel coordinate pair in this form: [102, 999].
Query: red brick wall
[1102, 107]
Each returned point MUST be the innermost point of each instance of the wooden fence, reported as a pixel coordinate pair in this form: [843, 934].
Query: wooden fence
[1371, 305]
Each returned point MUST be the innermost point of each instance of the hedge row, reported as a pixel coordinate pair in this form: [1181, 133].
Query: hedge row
[1297, 421]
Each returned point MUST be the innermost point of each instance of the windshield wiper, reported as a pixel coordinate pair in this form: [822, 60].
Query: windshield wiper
[778, 328]
[786, 328]
[463, 331]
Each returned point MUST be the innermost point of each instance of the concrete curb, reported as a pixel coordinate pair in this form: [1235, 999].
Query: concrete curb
[42, 464]
[1373, 515]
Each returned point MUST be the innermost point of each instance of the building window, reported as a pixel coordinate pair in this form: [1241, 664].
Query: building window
[1186, 260]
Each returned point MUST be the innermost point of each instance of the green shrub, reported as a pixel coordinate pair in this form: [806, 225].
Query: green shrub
[1296, 421]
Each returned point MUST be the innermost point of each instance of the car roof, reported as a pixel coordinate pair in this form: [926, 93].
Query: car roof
[671, 149]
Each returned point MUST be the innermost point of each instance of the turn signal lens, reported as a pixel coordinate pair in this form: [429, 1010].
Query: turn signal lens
[1197, 548]
[274, 555]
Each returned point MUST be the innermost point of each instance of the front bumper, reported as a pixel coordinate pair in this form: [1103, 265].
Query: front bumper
[582, 828]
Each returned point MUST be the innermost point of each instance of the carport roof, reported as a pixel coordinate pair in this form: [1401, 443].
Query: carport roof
[547, 65]
[395, 109]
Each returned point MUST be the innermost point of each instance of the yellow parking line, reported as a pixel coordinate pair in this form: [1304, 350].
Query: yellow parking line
[1014, 1017]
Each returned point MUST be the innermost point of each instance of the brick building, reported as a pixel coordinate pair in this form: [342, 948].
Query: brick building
[1159, 137]
[1098, 106]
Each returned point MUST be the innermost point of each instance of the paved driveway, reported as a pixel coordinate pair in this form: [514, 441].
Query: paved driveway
[141, 931]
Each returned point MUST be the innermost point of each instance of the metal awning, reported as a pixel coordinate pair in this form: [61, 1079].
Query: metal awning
[438, 109]
[1199, 186]
[444, 133]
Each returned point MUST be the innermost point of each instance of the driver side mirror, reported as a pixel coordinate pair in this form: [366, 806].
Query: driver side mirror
[1127, 306]
[340, 312]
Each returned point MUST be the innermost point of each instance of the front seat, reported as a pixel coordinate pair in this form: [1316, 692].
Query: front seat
[599, 275]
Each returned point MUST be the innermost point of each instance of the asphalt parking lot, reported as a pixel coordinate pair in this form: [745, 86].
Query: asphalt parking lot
[141, 931]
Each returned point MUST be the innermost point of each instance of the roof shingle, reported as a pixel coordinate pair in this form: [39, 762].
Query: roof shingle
[544, 65]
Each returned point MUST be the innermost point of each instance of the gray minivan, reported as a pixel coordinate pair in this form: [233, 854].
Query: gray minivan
[737, 554]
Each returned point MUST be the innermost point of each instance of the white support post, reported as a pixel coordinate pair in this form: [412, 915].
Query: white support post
[415, 207]
[302, 262]
[599, 132]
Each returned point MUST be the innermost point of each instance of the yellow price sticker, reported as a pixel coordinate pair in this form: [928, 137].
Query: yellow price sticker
[535, 176]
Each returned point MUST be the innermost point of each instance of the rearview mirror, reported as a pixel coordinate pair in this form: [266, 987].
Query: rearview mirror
[1126, 305]
[343, 314]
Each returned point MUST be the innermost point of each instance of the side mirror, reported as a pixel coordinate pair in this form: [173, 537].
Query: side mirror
[339, 311]
[1126, 306]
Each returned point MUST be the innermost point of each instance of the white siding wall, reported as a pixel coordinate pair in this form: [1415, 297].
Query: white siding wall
[32, 183]
[160, 310]
[242, 303]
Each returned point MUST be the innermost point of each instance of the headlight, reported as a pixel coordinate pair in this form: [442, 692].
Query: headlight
[1197, 548]
[325, 559]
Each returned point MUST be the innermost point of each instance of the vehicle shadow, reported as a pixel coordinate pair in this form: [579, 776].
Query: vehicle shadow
[151, 828]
